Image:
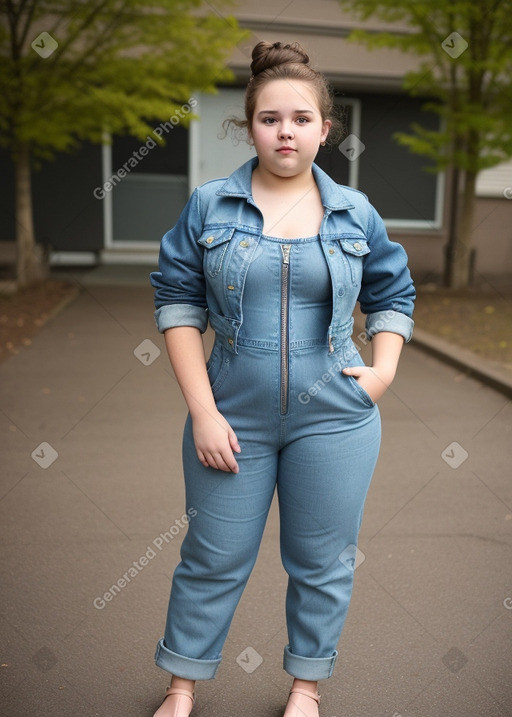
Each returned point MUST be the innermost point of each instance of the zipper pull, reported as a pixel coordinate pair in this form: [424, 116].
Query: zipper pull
[331, 347]
[286, 248]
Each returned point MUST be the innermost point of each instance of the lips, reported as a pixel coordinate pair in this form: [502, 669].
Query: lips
[285, 150]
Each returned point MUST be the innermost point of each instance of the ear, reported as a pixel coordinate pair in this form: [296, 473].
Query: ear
[325, 130]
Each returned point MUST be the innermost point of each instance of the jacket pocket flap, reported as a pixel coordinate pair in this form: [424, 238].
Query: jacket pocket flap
[355, 245]
[213, 237]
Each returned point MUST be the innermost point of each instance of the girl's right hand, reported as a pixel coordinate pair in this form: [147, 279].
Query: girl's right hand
[215, 442]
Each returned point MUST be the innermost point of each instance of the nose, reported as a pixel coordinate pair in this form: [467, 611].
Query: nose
[285, 131]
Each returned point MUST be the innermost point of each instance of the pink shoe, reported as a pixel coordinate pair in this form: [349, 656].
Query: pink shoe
[302, 703]
[176, 703]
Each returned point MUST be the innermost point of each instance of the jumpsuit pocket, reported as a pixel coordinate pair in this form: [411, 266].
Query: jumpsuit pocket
[217, 367]
[216, 241]
[353, 358]
[362, 394]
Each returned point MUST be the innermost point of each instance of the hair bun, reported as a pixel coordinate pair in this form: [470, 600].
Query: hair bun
[267, 54]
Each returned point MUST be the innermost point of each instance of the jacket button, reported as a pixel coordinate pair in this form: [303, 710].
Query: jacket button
[209, 240]
[230, 342]
[331, 251]
[244, 243]
[231, 287]
[357, 246]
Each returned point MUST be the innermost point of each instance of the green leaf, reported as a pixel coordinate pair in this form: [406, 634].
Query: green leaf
[470, 90]
[118, 65]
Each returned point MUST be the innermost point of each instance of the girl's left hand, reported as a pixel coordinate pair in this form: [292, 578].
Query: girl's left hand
[374, 381]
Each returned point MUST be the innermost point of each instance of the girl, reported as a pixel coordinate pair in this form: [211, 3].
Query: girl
[275, 257]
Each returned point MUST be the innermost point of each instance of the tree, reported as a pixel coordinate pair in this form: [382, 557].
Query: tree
[465, 70]
[75, 70]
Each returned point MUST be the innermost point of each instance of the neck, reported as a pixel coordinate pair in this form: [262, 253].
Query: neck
[284, 185]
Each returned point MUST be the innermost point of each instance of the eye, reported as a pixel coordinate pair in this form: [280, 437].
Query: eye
[269, 120]
[302, 120]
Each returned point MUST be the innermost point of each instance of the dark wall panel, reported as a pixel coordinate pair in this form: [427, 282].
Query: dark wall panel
[66, 214]
[7, 224]
[395, 179]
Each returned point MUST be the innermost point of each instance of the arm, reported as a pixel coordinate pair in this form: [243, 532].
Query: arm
[181, 315]
[214, 438]
[387, 297]
[376, 379]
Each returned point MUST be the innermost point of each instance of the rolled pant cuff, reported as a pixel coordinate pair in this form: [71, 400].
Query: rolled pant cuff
[308, 668]
[186, 667]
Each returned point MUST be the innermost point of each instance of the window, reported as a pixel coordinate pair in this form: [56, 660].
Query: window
[150, 187]
[396, 181]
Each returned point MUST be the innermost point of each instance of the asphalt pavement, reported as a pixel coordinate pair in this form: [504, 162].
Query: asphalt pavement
[92, 518]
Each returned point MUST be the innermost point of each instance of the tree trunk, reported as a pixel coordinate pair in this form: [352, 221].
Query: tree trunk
[459, 259]
[29, 261]
[453, 226]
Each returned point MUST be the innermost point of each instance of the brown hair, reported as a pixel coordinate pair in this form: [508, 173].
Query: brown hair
[275, 61]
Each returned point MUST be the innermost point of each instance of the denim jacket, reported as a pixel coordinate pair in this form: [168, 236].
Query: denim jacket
[204, 260]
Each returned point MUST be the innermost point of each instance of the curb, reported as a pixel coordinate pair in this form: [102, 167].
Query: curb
[488, 372]
[52, 313]
[62, 304]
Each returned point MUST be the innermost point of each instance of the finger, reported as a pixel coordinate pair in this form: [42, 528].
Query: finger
[202, 459]
[227, 464]
[208, 460]
[354, 370]
[233, 441]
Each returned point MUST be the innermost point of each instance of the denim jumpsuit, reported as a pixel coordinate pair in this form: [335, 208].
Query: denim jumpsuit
[281, 310]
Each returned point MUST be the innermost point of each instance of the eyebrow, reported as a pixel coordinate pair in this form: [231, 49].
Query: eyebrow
[275, 112]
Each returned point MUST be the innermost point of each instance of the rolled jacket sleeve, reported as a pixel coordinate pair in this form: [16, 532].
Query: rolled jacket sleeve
[387, 290]
[180, 296]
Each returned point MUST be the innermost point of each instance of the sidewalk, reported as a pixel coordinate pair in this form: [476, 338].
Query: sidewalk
[490, 373]
[91, 516]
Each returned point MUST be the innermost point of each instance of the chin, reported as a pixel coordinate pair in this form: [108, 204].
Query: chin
[286, 172]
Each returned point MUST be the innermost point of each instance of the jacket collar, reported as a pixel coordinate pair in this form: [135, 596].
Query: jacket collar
[238, 184]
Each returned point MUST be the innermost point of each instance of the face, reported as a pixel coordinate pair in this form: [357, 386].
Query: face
[287, 127]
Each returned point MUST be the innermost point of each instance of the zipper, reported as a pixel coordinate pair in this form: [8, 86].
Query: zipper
[285, 271]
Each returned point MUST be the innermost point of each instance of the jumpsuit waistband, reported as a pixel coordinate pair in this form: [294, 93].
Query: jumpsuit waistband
[275, 346]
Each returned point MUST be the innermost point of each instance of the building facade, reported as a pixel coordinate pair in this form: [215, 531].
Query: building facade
[112, 203]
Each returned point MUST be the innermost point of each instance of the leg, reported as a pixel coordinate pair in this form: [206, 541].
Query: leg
[217, 556]
[322, 485]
